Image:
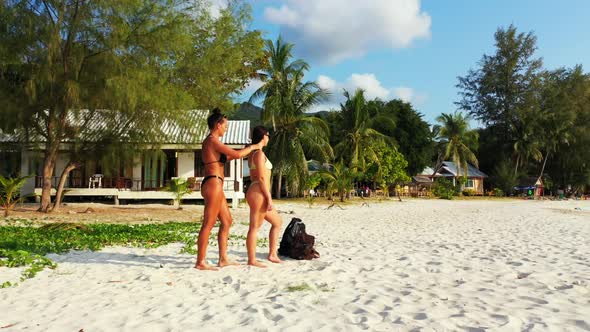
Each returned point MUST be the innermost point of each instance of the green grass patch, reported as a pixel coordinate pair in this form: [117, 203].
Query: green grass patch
[299, 288]
[28, 245]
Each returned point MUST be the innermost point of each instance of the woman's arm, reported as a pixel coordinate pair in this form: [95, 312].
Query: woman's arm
[231, 153]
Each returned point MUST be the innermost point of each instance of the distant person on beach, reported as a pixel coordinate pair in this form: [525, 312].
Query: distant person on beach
[214, 155]
[260, 201]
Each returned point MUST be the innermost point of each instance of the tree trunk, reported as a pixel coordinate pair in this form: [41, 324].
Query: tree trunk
[543, 167]
[48, 165]
[516, 168]
[399, 196]
[62, 181]
[279, 180]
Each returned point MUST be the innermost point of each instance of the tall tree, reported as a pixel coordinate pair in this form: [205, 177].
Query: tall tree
[59, 57]
[503, 92]
[527, 142]
[357, 125]
[296, 137]
[570, 164]
[412, 134]
[457, 141]
[562, 93]
[224, 56]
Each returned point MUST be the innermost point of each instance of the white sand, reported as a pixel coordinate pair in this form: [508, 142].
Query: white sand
[421, 264]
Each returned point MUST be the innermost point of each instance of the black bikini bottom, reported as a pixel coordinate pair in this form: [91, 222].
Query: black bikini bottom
[205, 179]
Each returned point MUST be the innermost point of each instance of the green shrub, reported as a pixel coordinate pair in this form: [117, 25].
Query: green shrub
[498, 192]
[443, 188]
[468, 192]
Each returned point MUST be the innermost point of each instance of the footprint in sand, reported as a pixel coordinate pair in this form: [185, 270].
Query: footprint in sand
[473, 329]
[564, 287]
[420, 316]
[501, 319]
[533, 299]
[581, 324]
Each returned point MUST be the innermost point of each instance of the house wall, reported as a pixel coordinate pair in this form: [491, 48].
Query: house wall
[478, 186]
[60, 164]
[186, 164]
[136, 176]
[26, 162]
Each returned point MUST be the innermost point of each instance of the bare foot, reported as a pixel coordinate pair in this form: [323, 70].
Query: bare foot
[205, 267]
[257, 264]
[224, 263]
[274, 259]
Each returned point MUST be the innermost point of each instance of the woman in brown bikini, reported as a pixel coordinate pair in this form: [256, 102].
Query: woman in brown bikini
[215, 154]
[260, 201]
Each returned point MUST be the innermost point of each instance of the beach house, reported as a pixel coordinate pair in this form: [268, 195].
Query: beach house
[449, 170]
[141, 177]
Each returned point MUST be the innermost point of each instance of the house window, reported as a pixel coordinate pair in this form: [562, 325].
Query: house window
[469, 183]
[198, 164]
[11, 163]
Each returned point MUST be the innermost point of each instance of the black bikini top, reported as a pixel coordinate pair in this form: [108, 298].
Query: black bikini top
[222, 159]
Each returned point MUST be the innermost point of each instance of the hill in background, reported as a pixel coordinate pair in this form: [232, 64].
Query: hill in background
[247, 111]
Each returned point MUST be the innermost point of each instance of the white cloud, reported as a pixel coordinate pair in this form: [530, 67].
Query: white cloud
[326, 83]
[333, 30]
[409, 95]
[372, 87]
[285, 15]
[369, 83]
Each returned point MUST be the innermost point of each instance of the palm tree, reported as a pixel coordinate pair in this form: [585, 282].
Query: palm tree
[179, 188]
[359, 136]
[526, 146]
[557, 116]
[10, 192]
[456, 140]
[339, 177]
[286, 99]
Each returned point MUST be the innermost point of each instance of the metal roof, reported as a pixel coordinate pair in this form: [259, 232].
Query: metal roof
[450, 167]
[169, 131]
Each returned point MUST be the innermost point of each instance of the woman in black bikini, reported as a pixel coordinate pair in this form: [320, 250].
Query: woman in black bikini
[215, 154]
[260, 201]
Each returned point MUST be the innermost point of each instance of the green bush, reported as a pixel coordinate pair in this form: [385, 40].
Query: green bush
[443, 188]
[498, 192]
[468, 192]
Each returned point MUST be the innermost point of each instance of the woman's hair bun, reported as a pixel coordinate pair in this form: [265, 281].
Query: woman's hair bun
[216, 110]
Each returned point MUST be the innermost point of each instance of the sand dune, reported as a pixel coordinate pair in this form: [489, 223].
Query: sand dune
[421, 264]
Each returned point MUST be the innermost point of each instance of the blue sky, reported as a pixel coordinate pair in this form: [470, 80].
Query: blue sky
[414, 50]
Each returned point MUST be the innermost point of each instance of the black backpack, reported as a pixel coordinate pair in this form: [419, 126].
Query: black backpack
[296, 243]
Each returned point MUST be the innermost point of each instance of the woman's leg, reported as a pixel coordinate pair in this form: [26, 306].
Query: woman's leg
[211, 193]
[225, 219]
[273, 237]
[255, 201]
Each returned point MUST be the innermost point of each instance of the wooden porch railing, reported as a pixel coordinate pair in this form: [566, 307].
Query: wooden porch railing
[122, 183]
